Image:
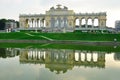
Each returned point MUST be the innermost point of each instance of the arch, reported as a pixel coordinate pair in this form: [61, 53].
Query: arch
[89, 22]
[96, 22]
[77, 22]
[30, 23]
[88, 56]
[82, 56]
[95, 56]
[83, 22]
[76, 56]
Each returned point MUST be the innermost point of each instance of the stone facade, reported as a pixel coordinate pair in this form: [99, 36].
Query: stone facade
[10, 25]
[61, 19]
[117, 25]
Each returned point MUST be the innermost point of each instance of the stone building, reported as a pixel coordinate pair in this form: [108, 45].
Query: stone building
[10, 25]
[62, 19]
[117, 25]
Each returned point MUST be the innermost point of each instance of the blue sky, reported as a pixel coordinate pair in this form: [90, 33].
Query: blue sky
[11, 9]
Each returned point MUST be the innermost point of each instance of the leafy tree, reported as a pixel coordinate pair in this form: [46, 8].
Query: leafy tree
[2, 24]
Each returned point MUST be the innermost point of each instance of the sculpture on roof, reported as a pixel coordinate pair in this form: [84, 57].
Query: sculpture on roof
[58, 6]
[66, 8]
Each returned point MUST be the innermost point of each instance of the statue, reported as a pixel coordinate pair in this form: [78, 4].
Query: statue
[65, 8]
[58, 6]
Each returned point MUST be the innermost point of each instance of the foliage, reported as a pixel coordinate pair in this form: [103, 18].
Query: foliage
[2, 24]
[3, 21]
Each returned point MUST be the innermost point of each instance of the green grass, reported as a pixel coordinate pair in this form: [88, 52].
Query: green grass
[19, 35]
[61, 36]
[81, 36]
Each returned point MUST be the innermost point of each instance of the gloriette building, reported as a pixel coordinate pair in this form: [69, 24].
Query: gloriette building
[61, 19]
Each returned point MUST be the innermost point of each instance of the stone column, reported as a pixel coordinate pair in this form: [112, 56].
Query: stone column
[91, 57]
[79, 56]
[92, 23]
[86, 24]
[99, 23]
[80, 23]
[85, 56]
[32, 22]
[40, 23]
[29, 23]
[104, 23]
[35, 23]
[26, 23]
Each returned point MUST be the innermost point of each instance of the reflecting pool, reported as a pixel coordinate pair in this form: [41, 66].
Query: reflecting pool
[58, 64]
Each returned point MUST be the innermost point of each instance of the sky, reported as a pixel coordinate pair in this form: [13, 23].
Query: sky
[10, 9]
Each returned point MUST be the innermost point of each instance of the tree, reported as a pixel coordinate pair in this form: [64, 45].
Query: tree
[2, 24]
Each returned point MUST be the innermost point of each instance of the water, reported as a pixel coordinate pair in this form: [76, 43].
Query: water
[58, 64]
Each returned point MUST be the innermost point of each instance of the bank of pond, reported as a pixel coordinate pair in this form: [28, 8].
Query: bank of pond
[61, 46]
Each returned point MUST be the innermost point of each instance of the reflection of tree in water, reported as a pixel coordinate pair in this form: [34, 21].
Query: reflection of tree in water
[8, 52]
[60, 60]
[3, 52]
[117, 56]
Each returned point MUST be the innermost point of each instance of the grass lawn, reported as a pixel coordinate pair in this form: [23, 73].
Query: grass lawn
[61, 36]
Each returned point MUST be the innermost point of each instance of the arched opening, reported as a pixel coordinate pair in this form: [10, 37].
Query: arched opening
[76, 56]
[96, 23]
[83, 22]
[89, 23]
[82, 56]
[30, 23]
[95, 57]
[77, 22]
[88, 56]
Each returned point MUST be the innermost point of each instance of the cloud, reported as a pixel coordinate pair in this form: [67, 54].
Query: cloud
[11, 1]
[16, 7]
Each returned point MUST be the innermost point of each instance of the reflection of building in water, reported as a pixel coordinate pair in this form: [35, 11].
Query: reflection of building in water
[8, 52]
[117, 56]
[62, 60]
